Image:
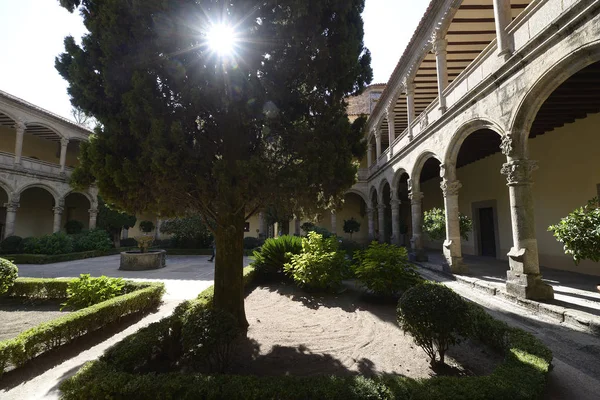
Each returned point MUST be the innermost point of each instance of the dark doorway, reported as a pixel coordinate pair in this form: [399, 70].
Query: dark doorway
[487, 236]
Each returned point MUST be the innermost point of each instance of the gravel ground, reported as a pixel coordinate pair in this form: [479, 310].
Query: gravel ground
[18, 316]
[295, 333]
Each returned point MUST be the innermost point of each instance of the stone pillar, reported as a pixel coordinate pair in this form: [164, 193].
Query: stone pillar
[157, 229]
[452, 244]
[93, 215]
[395, 203]
[371, 222]
[391, 127]
[381, 218]
[262, 225]
[369, 154]
[378, 144]
[410, 107]
[417, 226]
[439, 48]
[20, 127]
[333, 222]
[297, 227]
[524, 279]
[124, 233]
[503, 17]
[63, 154]
[58, 210]
[11, 216]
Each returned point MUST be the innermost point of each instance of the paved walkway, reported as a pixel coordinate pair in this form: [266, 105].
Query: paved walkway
[184, 277]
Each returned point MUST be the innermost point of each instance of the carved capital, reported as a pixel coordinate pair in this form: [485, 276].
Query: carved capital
[11, 206]
[518, 172]
[507, 145]
[20, 126]
[64, 142]
[395, 203]
[409, 86]
[58, 210]
[424, 121]
[93, 212]
[439, 43]
[450, 188]
[415, 197]
[381, 207]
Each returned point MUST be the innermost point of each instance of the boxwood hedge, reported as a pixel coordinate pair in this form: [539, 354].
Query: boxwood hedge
[136, 297]
[119, 373]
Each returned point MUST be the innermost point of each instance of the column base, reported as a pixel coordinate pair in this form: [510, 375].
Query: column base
[528, 286]
[456, 266]
[417, 255]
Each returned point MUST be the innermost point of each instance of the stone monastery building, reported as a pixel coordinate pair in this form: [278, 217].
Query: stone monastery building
[493, 111]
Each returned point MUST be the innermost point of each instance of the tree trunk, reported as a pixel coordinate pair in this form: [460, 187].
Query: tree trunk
[229, 263]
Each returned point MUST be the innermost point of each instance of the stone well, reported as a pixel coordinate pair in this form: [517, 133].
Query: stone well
[136, 261]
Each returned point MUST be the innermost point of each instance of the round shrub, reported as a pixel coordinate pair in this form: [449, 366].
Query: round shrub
[434, 224]
[146, 226]
[320, 266]
[11, 244]
[56, 243]
[384, 269]
[73, 227]
[435, 316]
[87, 291]
[207, 337]
[95, 239]
[275, 253]
[252, 242]
[8, 275]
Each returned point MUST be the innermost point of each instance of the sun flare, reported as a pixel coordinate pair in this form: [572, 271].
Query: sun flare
[222, 39]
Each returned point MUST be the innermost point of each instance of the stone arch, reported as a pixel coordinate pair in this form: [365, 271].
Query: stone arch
[359, 193]
[8, 188]
[398, 176]
[9, 114]
[48, 126]
[380, 188]
[84, 193]
[459, 137]
[57, 197]
[548, 82]
[418, 166]
[372, 191]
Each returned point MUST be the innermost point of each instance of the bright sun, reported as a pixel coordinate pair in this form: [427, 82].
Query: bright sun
[221, 39]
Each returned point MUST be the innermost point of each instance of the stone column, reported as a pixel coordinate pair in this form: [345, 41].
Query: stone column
[452, 244]
[11, 216]
[439, 48]
[395, 203]
[93, 215]
[333, 222]
[378, 144]
[371, 222]
[262, 225]
[410, 107]
[524, 279]
[63, 154]
[417, 226]
[391, 128]
[124, 233]
[503, 17]
[20, 127]
[369, 154]
[58, 210]
[381, 218]
[157, 229]
[297, 227]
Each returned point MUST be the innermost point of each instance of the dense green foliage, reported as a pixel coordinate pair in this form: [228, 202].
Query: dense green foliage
[435, 316]
[86, 291]
[320, 265]
[251, 242]
[92, 240]
[275, 253]
[218, 136]
[146, 226]
[384, 269]
[8, 274]
[351, 226]
[49, 259]
[113, 221]
[207, 336]
[11, 244]
[434, 224]
[73, 227]
[579, 232]
[139, 297]
[55, 243]
[188, 232]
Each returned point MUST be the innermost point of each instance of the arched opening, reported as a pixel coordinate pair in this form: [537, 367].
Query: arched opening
[385, 207]
[354, 207]
[7, 138]
[76, 208]
[375, 209]
[41, 143]
[3, 201]
[564, 141]
[35, 216]
[429, 182]
[405, 222]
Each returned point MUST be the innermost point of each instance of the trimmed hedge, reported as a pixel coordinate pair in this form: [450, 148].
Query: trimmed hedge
[49, 335]
[521, 376]
[49, 259]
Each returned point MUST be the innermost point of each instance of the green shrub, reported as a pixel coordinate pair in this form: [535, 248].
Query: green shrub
[56, 243]
[11, 244]
[275, 253]
[435, 316]
[320, 266]
[40, 288]
[207, 337]
[350, 247]
[251, 242]
[146, 226]
[384, 269]
[351, 226]
[73, 227]
[579, 232]
[307, 226]
[129, 242]
[188, 232]
[434, 224]
[95, 239]
[87, 291]
[8, 275]
[48, 259]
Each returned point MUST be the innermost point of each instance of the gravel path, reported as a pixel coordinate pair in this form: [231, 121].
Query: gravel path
[17, 316]
[295, 333]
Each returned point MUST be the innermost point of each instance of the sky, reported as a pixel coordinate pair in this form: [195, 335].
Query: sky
[32, 34]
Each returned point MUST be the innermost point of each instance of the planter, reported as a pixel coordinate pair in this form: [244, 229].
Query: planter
[136, 261]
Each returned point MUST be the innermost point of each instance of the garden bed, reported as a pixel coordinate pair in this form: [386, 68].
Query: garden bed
[292, 332]
[18, 315]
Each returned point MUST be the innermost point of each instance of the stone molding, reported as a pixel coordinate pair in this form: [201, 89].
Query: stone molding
[11, 206]
[518, 172]
[415, 197]
[450, 188]
[507, 145]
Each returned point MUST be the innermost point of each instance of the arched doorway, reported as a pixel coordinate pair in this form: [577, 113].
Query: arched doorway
[76, 208]
[404, 216]
[35, 215]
